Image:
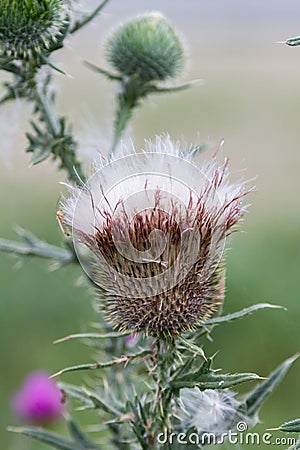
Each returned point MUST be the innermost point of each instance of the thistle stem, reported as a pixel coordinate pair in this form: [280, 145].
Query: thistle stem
[165, 358]
[41, 249]
[81, 23]
[98, 365]
[66, 146]
[48, 112]
[132, 90]
[123, 116]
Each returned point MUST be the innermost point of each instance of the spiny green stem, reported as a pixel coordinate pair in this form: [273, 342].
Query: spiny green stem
[178, 88]
[48, 112]
[46, 61]
[106, 73]
[93, 366]
[165, 359]
[123, 116]
[111, 335]
[66, 148]
[50, 135]
[43, 250]
[132, 90]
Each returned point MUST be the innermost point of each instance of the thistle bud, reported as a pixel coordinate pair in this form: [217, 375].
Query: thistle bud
[147, 48]
[29, 28]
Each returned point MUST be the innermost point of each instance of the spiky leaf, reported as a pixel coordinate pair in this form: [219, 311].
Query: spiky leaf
[293, 426]
[239, 314]
[78, 443]
[77, 393]
[293, 41]
[192, 348]
[90, 400]
[80, 438]
[112, 335]
[255, 398]
[39, 154]
[212, 380]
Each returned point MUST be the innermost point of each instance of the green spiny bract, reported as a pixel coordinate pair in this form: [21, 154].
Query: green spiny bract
[147, 48]
[29, 28]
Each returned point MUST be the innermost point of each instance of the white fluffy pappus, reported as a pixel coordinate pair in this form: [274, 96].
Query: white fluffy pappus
[210, 411]
[163, 164]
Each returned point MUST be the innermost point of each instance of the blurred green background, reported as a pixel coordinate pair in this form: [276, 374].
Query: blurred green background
[251, 98]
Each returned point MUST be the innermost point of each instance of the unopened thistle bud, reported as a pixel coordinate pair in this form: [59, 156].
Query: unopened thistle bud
[146, 48]
[156, 225]
[30, 28]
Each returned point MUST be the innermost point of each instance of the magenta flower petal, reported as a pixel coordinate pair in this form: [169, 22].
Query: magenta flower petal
[132, 339]
[39, 399]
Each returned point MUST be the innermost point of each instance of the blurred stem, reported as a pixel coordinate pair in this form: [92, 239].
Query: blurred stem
[106, 73]
[117, 440]
[132, 90]
[180, 87]
[39, 248]
[127, 101]
[124, 114]
[82, 23]
[48, 112]
[50, 134]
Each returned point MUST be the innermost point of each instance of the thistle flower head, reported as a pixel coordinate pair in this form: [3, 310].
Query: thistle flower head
[156, 225]
[38, 400]
[30, 27]
[147, 48]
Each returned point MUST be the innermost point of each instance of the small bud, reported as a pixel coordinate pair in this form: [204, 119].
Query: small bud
[147, 48]
[30, 27]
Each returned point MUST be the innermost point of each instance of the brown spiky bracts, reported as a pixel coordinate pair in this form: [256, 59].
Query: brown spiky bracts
[157, 242]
